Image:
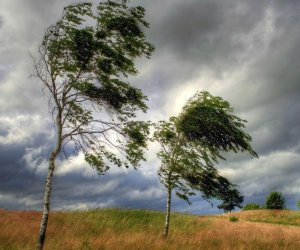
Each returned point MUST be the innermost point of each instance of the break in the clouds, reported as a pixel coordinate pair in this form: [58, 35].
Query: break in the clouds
[244, 51]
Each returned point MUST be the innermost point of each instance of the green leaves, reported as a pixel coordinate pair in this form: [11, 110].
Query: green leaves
[210, 120]
[118, 96]
[77, 115]
[96, 161]
[83, 47]
[137, 133]
[73, 14]
[126, 26]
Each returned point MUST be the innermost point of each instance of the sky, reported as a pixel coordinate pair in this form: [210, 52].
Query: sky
[247, 52]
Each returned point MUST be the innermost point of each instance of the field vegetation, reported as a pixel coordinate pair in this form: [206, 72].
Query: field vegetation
[141, 229]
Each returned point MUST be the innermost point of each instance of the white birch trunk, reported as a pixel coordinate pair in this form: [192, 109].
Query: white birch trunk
[48, 185]
[168, 209]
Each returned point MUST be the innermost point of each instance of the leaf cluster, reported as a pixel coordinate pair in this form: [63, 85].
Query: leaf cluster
[210, 119]
[102, 53]
[85, 60]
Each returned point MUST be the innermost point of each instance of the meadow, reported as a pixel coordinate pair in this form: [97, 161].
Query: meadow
[142, 229]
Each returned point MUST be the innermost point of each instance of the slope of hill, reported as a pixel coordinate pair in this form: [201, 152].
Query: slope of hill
[141, 229]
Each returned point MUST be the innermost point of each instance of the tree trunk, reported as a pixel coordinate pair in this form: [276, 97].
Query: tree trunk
[168, 209]
[47, 193]
[48, 185]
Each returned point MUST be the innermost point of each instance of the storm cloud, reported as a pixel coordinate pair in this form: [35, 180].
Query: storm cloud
[244, 51]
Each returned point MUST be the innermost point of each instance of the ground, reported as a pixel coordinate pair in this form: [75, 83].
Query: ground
[142, 229]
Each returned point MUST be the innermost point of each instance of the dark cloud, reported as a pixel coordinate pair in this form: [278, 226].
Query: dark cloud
[194, 36]
[245, 51]
[19, 185]
[131, 190]
[205, 31]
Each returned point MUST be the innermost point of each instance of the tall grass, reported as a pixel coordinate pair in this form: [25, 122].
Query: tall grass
[142, 229]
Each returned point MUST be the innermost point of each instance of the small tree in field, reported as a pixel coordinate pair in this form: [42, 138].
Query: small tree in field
[83, 62]
[192, 143]
[275, 200]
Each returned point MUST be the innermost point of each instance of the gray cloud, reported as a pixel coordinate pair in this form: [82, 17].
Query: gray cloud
[195, 36]
[245, 51]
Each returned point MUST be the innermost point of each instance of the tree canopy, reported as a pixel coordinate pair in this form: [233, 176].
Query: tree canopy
[210, 119]
[85, 58]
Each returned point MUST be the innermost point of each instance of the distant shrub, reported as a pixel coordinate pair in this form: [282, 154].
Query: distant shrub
[233, 219]
[275, 200]
[251, 206]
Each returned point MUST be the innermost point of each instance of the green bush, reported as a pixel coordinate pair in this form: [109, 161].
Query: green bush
[233, 219]
[275, 200]
[251, 206]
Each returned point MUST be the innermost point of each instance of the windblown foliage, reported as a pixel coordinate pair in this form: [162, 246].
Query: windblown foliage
[210, 120]
[85, 59]
[192, 143]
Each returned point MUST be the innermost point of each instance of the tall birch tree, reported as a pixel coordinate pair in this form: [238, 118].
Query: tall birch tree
[83, 63]
[192, 143]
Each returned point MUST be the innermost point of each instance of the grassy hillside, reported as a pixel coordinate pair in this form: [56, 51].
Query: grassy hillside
[141, 229]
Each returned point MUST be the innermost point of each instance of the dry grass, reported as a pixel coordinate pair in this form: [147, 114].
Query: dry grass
[141, 229]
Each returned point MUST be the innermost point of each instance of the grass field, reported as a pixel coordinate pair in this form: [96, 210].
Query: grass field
[141, 229]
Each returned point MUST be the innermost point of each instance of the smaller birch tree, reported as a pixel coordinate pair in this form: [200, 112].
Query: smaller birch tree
[188, 157]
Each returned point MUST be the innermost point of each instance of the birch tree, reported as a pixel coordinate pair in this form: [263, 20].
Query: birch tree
[192, 143]
[83, 63]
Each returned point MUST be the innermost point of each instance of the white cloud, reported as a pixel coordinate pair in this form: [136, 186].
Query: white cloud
[22, 128]
[27, 201]
[81, 206]
[35, 161]
[75, 164]
[277, 170]
[147, 194]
